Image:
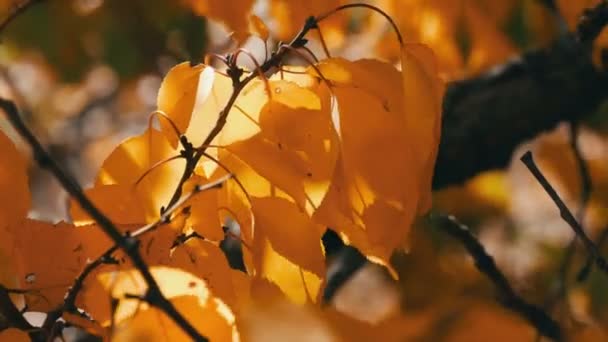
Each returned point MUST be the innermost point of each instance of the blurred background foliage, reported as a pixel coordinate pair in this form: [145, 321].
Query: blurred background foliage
[86, 73]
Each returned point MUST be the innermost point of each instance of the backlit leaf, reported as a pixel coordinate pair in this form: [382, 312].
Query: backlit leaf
[132, 161]
[136, 320]
[290, 231]
[177, 94]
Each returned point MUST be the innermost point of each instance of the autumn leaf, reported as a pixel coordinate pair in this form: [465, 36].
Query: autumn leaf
[257, 27]
[209, 262]
[177, 94]
[292, 233]
[292, 14]
[234, 14]
[298, 284]
[116, 201]
[47, 279]
[133, 166]
[423, 91]
[136, 320]
[15, 197]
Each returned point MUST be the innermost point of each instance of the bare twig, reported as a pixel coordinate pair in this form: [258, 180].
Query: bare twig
[565, 213]
[10, 314]
[586, 269]
[129, 244]
[194, 155]
[486, 265]
[106, 258]
[586, 187]
[18, 9]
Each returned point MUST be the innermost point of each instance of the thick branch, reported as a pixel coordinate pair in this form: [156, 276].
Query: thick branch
[487, 117]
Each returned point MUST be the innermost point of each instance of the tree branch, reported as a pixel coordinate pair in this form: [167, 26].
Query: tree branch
[486, 265]
[487, 117]
[129, 244]
[18, 9]
[565, 213]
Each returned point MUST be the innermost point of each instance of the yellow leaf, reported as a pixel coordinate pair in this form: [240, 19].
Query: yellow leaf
[190, 295]
[212, 319]
[257, 27]
[207, 260]
[243, 116]
[134, 159]
[291, 15]
[177, 94]
[422, 109]
[290, 232]
[299, 162]
[388, 147]
[232, 13]
[204, 215]
[299, 285]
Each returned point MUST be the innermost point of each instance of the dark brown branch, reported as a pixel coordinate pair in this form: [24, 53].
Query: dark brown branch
[129, 244]
[586, 269]
[9, 314]
[106, 258]
[486, 265]
[487, 117]
[194, 155]
[565, 213]
[593, 22]
[586, 187]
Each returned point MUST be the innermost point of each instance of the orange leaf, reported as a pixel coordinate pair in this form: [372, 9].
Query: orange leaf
[177, 94]
[232, 13]
[117, 201]
[257, 27]
[15, 195]
[290, 231]
[66, 250]
[422, 106]
[134, 159]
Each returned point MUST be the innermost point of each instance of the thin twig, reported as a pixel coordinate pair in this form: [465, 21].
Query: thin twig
[10, 313]
[238, 86]
[106, 258]
[586, 188]
[17, 11]
[129, 244]
[586, 269]
[565, 213]
[486, 265]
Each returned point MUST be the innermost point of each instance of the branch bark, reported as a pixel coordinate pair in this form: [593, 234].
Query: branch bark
[487, 117]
